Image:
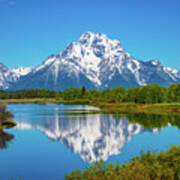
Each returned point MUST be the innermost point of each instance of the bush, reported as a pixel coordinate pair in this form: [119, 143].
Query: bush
[149, 166]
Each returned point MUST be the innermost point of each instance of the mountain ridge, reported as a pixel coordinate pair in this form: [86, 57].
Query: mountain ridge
[94, 61]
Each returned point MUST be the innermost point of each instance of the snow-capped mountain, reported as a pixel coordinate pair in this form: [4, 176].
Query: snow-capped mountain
[95, 61]
[9, 76]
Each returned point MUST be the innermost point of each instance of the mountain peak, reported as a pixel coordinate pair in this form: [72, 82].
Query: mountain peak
[93, 39]
[94, 61]
[155, 62]
[88, 35]
[2, 66]
[21, 71]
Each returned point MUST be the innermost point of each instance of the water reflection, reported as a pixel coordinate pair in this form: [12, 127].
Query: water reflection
[5, 138]
[5, 123]
[93, 136]
[154, 121]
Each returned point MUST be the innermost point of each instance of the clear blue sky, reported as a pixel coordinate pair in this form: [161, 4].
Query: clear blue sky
[31, 30]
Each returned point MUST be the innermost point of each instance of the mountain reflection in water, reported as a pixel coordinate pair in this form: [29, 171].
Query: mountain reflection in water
[93, 136]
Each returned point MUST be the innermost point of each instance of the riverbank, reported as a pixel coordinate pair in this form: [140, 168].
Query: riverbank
[147, 166]
[112, 108]
[169, 108]
[5, 118]
[43, 101]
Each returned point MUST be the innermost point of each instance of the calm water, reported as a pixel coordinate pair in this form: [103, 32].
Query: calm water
[51, 140]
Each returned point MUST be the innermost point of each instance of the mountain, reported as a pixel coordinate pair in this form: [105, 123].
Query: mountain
[10, 76]
[95, 61]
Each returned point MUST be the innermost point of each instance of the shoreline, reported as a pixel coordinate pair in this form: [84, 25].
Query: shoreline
[112, 108]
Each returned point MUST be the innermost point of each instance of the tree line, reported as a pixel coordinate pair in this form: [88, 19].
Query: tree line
[141, 95]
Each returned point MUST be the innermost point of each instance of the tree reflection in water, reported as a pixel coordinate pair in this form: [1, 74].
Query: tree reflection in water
[5, 138]
[5, 122]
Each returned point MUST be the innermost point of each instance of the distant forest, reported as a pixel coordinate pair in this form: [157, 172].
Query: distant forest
[140, 95]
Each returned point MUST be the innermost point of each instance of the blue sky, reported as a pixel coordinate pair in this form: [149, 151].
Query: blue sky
[31, 30]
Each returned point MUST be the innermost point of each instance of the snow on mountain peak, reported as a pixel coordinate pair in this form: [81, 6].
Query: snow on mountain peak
[94, 61]
[88, 53]
[21, 71]
[3, 67]
[47, 62]
[93, 40]
[7, 76]
[155, 62]
[173, 73]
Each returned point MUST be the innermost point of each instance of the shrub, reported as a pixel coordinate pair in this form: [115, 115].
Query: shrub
[149, 166]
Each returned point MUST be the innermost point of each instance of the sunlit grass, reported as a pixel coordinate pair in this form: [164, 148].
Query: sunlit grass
[113, 108]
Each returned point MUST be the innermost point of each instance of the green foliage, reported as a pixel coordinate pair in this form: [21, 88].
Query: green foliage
[140, 95]
[150, 121]
[149, 166]
[5, 138]
[147, 94]
[72, 93]
[114, 95]
[5, 116]
[5, 122]
[174, 93]
[83, 91]
[4, 113]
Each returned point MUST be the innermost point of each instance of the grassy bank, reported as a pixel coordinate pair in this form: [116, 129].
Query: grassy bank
[113, 108]
[5, 118]
[149, 166]
[164, 108]
[43, 101]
